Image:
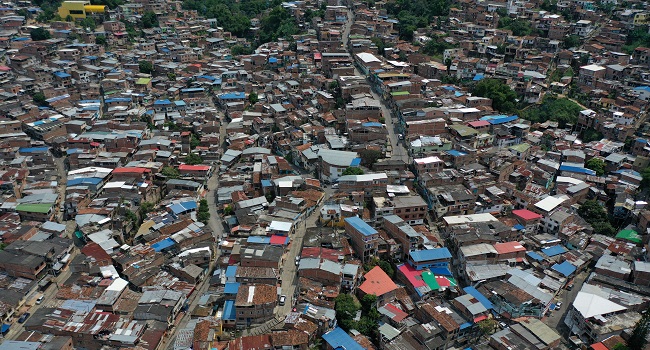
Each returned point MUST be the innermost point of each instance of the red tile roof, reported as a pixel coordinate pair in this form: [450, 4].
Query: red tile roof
[187, 167]
[377, 282]
[509, 247]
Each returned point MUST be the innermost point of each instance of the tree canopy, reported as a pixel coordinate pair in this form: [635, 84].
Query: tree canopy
[146, 67]
[435, 46]
[38, 34]
[562, 110]
[193, 159]
[597, 217]
[233, 16]
[346, 309]
[638, 338]
[503, 97]
[149, 20]
[279, 23]
[597, 165]
[369, 157]
[518, 26]
[413, 14]
[170, 172]
[352, 171]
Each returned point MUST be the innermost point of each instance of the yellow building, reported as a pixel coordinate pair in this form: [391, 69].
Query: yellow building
[80, 9]
[641, 18]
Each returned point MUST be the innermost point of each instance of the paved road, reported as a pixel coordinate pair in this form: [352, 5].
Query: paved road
[398, 151]
[556, 318]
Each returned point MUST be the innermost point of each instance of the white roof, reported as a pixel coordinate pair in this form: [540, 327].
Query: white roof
[590, 305]
[280, 226]
[368, 57]
[569, 180]
[427, 160]
[463, 219]
[593, 67]
[118, 285]
[551, 202]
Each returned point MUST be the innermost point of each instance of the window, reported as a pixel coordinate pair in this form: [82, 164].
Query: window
[76, 12]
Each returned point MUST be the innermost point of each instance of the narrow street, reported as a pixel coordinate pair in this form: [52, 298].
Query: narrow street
[398, 151]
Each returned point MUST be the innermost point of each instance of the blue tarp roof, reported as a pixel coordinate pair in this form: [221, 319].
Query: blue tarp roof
[360, 226]
[180, 103]
[117, 99]
[565, 268]
[371, 124]
[478, 296]
[478, 77]
[646, 88]
[162, 102]
[231, 271]
[355, 162]
[207, 77]
[233, 96]
[5, 327]
[535, 256]
[273, 60]
[266, 183]
[231, 288]
[258, 240]
[229, 311]
[84, 181]
[575, 169]
[554, 250]
[337, 338]
[455, 153]
[33, 149]
[164, 244]
[503, 120]
[430, 254]
[440, 271]
[466, 325]
[519, 227]
[193, 90]
[62, 74]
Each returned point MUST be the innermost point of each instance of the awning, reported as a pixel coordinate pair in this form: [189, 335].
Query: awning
[65, 258]
[5, 327]
[480, 318]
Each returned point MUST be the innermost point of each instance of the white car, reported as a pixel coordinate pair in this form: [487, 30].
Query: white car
[283, 299]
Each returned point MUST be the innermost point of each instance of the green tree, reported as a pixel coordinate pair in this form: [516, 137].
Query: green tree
[346, 310]
[88, 22]
[597, 165]
[590, 134]
[597, 217]
[387, 267]
[436, 46]
[571, 41]
[149, 20]
[620, 346]
[203, 214]
[368, 302]
[194, 141]
[369, 157]
[352, 171]
[645, 177]
[101, 40]
[237, 50]
[38, 34]
[487, 326]
[39, 99]
[518, 26]
[171, 76]
[170, 172]
[146, 67]
[193, 159]
[130, 216]
[228, 210]
[638, 339]
[145, 208]
[562, 110]
[278, 23]
[252, 98]
[503, 97]
[69, 18]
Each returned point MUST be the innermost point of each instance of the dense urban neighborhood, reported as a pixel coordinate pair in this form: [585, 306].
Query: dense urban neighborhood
[324, 174]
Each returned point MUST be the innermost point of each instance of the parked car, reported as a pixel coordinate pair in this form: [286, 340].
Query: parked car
[23, 317]
[558, 305]
[297, 260]
[283, 299]
[40, 300]
[569, 287]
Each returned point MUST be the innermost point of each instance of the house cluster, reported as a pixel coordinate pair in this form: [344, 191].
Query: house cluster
[169, 189]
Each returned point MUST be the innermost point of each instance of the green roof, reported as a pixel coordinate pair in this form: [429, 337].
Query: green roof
[143, 81]
[629, 235]
[430, 280]
[521, 148]
[463, 130]
[42, 208]
[399, 93]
